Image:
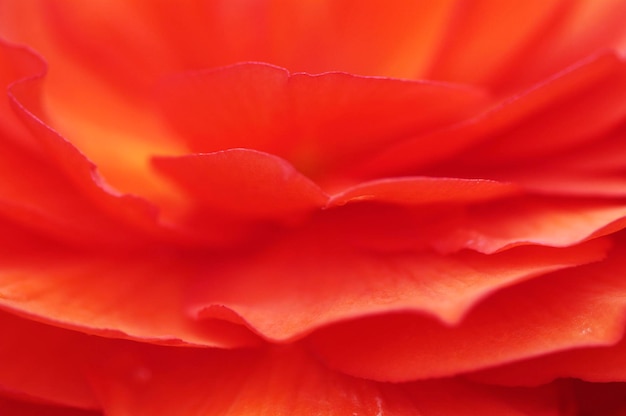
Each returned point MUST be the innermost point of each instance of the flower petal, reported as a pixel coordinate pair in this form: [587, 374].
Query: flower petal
[45, 363]
[594, 364]
[305, 36]
[425, 190]
[316, 122]
[577, 307]
[133, 295]
[133, 378]
[38, 165]
[244, 182]
[301, 283]
[506, 223]
[10, 407]
[287, 381]
[485, 35]
[472, 148]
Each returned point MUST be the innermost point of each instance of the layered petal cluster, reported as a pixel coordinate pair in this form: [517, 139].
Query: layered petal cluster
[335, 207]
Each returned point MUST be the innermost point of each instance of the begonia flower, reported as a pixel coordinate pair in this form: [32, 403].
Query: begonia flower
[325, 207]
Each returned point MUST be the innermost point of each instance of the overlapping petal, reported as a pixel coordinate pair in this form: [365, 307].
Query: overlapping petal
[307, 281]
[176, 188]
[245, 183]
[130, 295]
[577, 307]
[319, 123]
[547, 114]
[287, 381]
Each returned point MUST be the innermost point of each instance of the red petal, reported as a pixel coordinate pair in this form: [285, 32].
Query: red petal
[484, 36]
[555, 101]
[305, 282]
[9, 407]
[287, 381]
[425, 190]
[136, 296]
[52, 364]
[45, 363]
[499, 225]
[244, 182]
[599, 364]
[578, 307]
[578, 29]
[592, 107]
[316, 122]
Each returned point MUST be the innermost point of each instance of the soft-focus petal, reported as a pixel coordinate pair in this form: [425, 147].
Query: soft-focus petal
[286, 381]
[468, 148]
[13, 407]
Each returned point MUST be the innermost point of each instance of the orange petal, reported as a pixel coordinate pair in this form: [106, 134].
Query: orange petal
[484, 35]
[133, 295]
[244, 182]
[499, 225]
[46, 183]
[472, 147]
[304, 282]
[577, 307]
[578, 29]
[316, 122]
[594, 106]
[130, 43]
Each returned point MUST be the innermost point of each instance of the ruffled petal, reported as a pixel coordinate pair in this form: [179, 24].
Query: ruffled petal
[38, 165]
[134, 296]
[301, 283]
[316, 122]
[573, 308]
[503, 224]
